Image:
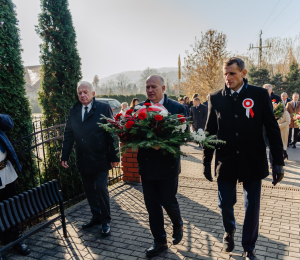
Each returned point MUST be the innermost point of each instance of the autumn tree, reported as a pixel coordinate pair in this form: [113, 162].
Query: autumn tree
[95, 83]
[202, 69]
[122, 82]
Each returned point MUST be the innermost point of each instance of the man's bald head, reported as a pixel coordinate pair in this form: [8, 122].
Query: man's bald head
[155, 88]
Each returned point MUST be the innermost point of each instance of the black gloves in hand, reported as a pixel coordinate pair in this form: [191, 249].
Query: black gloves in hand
[278, 174]
[207, 171]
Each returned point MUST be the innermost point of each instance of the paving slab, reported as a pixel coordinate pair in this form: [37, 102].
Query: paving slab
[279, 230]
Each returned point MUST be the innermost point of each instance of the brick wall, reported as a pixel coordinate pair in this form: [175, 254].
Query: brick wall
[130, 166]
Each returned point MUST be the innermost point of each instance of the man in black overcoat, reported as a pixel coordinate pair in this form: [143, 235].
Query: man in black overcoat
[198, 114]
[159, 174]
[271, 93]
[95, 152]
[237, 114]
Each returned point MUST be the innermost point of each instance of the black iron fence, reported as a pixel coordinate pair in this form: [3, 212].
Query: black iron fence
[40, 152]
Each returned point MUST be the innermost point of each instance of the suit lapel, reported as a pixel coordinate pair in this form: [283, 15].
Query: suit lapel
[92, 111]
[78, 112]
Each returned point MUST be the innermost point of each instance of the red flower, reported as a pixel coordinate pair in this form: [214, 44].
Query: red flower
[147, 104]
[182, 119]
[158, 118]
[274, 100]
[117, 117]
[142, 116]
[129, 124]
[129, 111]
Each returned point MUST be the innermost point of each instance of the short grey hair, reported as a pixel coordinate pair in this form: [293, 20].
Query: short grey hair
[268, 85]
[124, 103]
[160, 77]
[284, 93]
[85, 83]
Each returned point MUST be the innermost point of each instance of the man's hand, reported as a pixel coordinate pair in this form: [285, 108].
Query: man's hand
[114, 164]
[65, 164]
[207, 171]
[278, 174]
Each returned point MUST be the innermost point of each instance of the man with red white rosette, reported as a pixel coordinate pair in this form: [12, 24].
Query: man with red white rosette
[159, 174]
[237, 114]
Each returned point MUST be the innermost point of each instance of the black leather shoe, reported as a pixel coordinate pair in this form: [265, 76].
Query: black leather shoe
[294, 146]
[22, 248]
[228, 242]
[249, 256]
[92, 223]
[156, 249]
[177, 235]
[105, 230]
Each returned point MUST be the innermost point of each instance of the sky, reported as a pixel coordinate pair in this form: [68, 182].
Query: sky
[121, 35]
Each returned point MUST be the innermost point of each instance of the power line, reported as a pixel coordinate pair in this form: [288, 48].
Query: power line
[270, 15]
[266, 20]
[290, 27]
[279, 14]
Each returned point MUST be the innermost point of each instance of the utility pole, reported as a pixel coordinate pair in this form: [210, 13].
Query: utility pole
[260, 47]
[179, 75]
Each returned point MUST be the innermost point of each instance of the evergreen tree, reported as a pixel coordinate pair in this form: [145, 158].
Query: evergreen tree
[61, 71]
[258, 77]
[13, 99]
[278, 84]
[61, 65]
[293, 79]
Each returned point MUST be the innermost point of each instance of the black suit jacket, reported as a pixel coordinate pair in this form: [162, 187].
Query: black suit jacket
[243, 157]
[198, 115]
[153, 165]
[276, 97]
[95, 148]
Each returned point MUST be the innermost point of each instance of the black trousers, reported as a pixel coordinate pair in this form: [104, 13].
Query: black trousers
[12, 234]
[296, 131]
[96, 191]
[158, 194]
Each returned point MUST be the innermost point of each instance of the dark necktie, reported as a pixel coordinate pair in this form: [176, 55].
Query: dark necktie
[85, 113]
[235, 94]
[295, 104]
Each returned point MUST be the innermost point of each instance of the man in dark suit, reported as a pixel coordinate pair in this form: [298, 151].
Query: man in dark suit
[206, 102]
[159, 174]
[237, 114]
[271, 94]
[95, 152]
[198, 114]
[284, 98]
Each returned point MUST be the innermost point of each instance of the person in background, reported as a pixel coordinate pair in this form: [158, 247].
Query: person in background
[293, 107]
[284, 98]
[187, 105]
[134, 102]
[271, 94]
[124, 107]
[8, 177]
[198, 114]
[95, 152]
[206, 102]
[181, 101]
[192, 102]
[284, 123]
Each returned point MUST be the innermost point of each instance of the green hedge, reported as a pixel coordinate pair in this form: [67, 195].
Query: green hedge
[128, 98]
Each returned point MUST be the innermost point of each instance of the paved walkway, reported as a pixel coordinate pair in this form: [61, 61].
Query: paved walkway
[279, 233]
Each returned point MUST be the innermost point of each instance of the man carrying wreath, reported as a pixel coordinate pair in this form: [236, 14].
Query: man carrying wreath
[237, 114]
[159, 174]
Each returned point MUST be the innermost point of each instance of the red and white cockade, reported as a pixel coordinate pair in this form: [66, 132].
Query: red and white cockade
[248, 103]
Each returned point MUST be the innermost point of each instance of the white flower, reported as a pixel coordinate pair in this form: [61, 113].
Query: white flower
[137, 107]
[198, 136]
[181, 128]
[164, 113]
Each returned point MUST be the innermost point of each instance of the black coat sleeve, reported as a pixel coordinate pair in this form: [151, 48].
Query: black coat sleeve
[212, 128]
[6, 122]
[272, 131]
[191, 116]
[68, 140]
[112, 140]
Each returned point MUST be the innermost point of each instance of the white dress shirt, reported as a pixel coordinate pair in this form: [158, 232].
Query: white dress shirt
[8, 174]
[160, 102]
[89, 106]
[238, 91]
